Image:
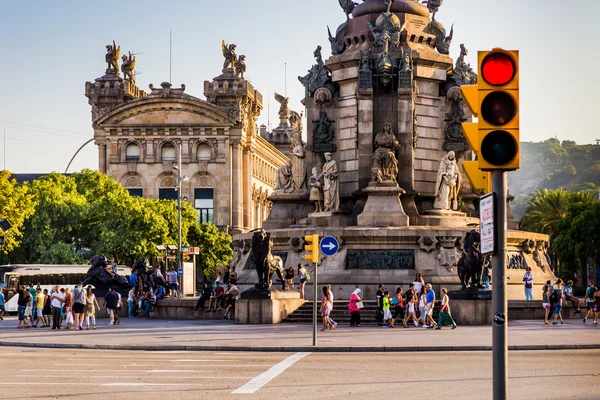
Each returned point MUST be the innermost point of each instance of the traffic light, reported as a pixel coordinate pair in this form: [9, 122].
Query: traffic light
[495, 101]
[312, 248]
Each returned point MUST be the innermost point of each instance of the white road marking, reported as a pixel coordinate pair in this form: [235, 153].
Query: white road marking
[264, 378]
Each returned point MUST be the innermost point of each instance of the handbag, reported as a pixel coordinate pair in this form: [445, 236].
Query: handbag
[359, 305]
[528, 285]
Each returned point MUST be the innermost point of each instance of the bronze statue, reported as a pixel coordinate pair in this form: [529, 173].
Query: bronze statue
[266, 263]
[338, 45]
[284, 110]
[442, 42]
[318, 76]
[463, 72]
[387, 25]
[128, 67]
[230, 56]
[112, 58]
[385, 164]
[434, 6]
[240, 66]
[348, 7]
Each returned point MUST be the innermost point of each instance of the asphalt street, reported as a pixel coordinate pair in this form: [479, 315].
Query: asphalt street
[106, 374]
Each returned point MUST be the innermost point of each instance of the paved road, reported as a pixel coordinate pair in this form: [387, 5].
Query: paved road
[199, 334]
[102, 374]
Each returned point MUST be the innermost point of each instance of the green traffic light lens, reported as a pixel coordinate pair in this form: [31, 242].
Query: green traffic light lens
[499, 148]
[498, 108]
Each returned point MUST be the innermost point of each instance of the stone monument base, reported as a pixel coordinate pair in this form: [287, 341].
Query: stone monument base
[445, 213]
[288, 209]
[383, 207]
[330, 218]
[267, 310]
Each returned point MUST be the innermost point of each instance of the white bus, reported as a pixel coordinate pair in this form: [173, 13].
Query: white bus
[46, 275]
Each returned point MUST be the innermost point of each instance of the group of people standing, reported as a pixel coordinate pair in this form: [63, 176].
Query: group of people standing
[72, 307]
[416, 304]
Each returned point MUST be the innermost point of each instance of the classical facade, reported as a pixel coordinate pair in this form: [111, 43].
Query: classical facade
[228, 169]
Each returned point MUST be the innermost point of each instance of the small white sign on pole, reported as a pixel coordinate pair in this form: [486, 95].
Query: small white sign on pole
[486, 224]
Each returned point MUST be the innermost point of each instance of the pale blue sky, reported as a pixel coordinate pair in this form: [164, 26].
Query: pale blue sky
[51, 48]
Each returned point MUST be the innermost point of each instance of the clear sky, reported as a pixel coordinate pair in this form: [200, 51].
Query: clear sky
[50, 48]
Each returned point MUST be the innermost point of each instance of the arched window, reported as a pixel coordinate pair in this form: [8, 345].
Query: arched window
[204, 152]
[132, 152]
[133, 184]
[168, 152]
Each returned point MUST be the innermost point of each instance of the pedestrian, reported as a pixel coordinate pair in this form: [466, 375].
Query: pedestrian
[148, 299]
[91, 305]
[326, 308]
[173, 283]
[110, 302]
[379, 311]
[232, 296]
[57, 301]
[558, 304]
[589, 299]
[68, 309]
[445, 318]
[555, 295]
[2, 308]
[412, 301]
[568, 293]
[422, 317]
[130, 302]
[79, 307]
[354, 307]
[429, 304]
[233, 276]
[29, 309]
[596, 306]
[419, 283]
[528, 284]
[303, 275]
[40, 300]
[546, 302]
[117, 319]
[485, 275]
[331, 321]
[387, 314]
[398, 304]
[289, 278]
[33, 294]
[204, 297]
[216, 299]
[47, 311]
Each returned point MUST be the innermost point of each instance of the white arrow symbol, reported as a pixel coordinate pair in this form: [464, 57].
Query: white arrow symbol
[329, 246]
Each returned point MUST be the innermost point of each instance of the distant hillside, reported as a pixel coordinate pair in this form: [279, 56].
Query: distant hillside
[552, 165]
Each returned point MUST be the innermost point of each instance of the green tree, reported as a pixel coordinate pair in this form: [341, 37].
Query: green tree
[215, 247]
[17, 203]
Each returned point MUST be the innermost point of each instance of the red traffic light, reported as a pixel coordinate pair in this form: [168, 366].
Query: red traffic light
[498, 69]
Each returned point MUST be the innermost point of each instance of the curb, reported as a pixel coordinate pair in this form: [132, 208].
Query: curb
[296, 349]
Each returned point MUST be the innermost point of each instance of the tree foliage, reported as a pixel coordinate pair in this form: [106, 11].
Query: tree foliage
[74, 217]
[16, 205]
[215, 247]
[553, 165]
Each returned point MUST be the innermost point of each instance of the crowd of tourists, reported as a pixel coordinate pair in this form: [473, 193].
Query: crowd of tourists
[223, 294]
[556, 295]
[63, 307]
[415, 305]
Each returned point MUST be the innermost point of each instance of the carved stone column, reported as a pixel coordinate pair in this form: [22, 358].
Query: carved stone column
[236, 187]
[246, 169]
[102, 157]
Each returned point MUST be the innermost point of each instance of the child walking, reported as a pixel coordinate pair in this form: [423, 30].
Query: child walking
[387, 315]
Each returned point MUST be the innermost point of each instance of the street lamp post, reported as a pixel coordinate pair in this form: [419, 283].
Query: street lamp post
[179, 264]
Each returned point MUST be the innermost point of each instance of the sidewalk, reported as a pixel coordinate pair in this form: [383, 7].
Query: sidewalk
[200, 335]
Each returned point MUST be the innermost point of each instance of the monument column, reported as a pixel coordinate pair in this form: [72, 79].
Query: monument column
[246, 170]
[236, 186]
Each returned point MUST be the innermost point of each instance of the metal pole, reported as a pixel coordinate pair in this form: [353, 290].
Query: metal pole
[72, 158]
[179, 265]
[5, 150]
[499, 328]
[315, 307]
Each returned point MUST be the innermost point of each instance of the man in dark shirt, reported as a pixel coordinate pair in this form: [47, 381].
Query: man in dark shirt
[379, 316]
[111, 301]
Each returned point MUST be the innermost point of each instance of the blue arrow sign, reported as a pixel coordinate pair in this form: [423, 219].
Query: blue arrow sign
[329, 246]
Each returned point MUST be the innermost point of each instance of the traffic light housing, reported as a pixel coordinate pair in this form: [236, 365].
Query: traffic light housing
[495, 101]
[312, 248]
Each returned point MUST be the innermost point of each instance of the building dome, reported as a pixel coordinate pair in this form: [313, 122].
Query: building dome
[398, 7]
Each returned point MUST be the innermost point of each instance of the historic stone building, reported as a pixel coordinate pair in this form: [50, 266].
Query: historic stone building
[228, 169]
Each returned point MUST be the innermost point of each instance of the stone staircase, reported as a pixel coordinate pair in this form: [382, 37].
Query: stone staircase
[340, 313]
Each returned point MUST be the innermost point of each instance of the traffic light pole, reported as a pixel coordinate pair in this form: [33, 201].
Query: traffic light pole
[499, 325]
[315, 318]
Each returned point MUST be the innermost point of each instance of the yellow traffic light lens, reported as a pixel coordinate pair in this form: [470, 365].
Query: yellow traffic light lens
[498, 69]
[498, 108]
[499, 148]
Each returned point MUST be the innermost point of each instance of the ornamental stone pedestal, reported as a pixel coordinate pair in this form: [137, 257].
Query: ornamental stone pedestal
[383, 207]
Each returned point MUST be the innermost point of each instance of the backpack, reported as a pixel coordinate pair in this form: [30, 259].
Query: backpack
[555, 296]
